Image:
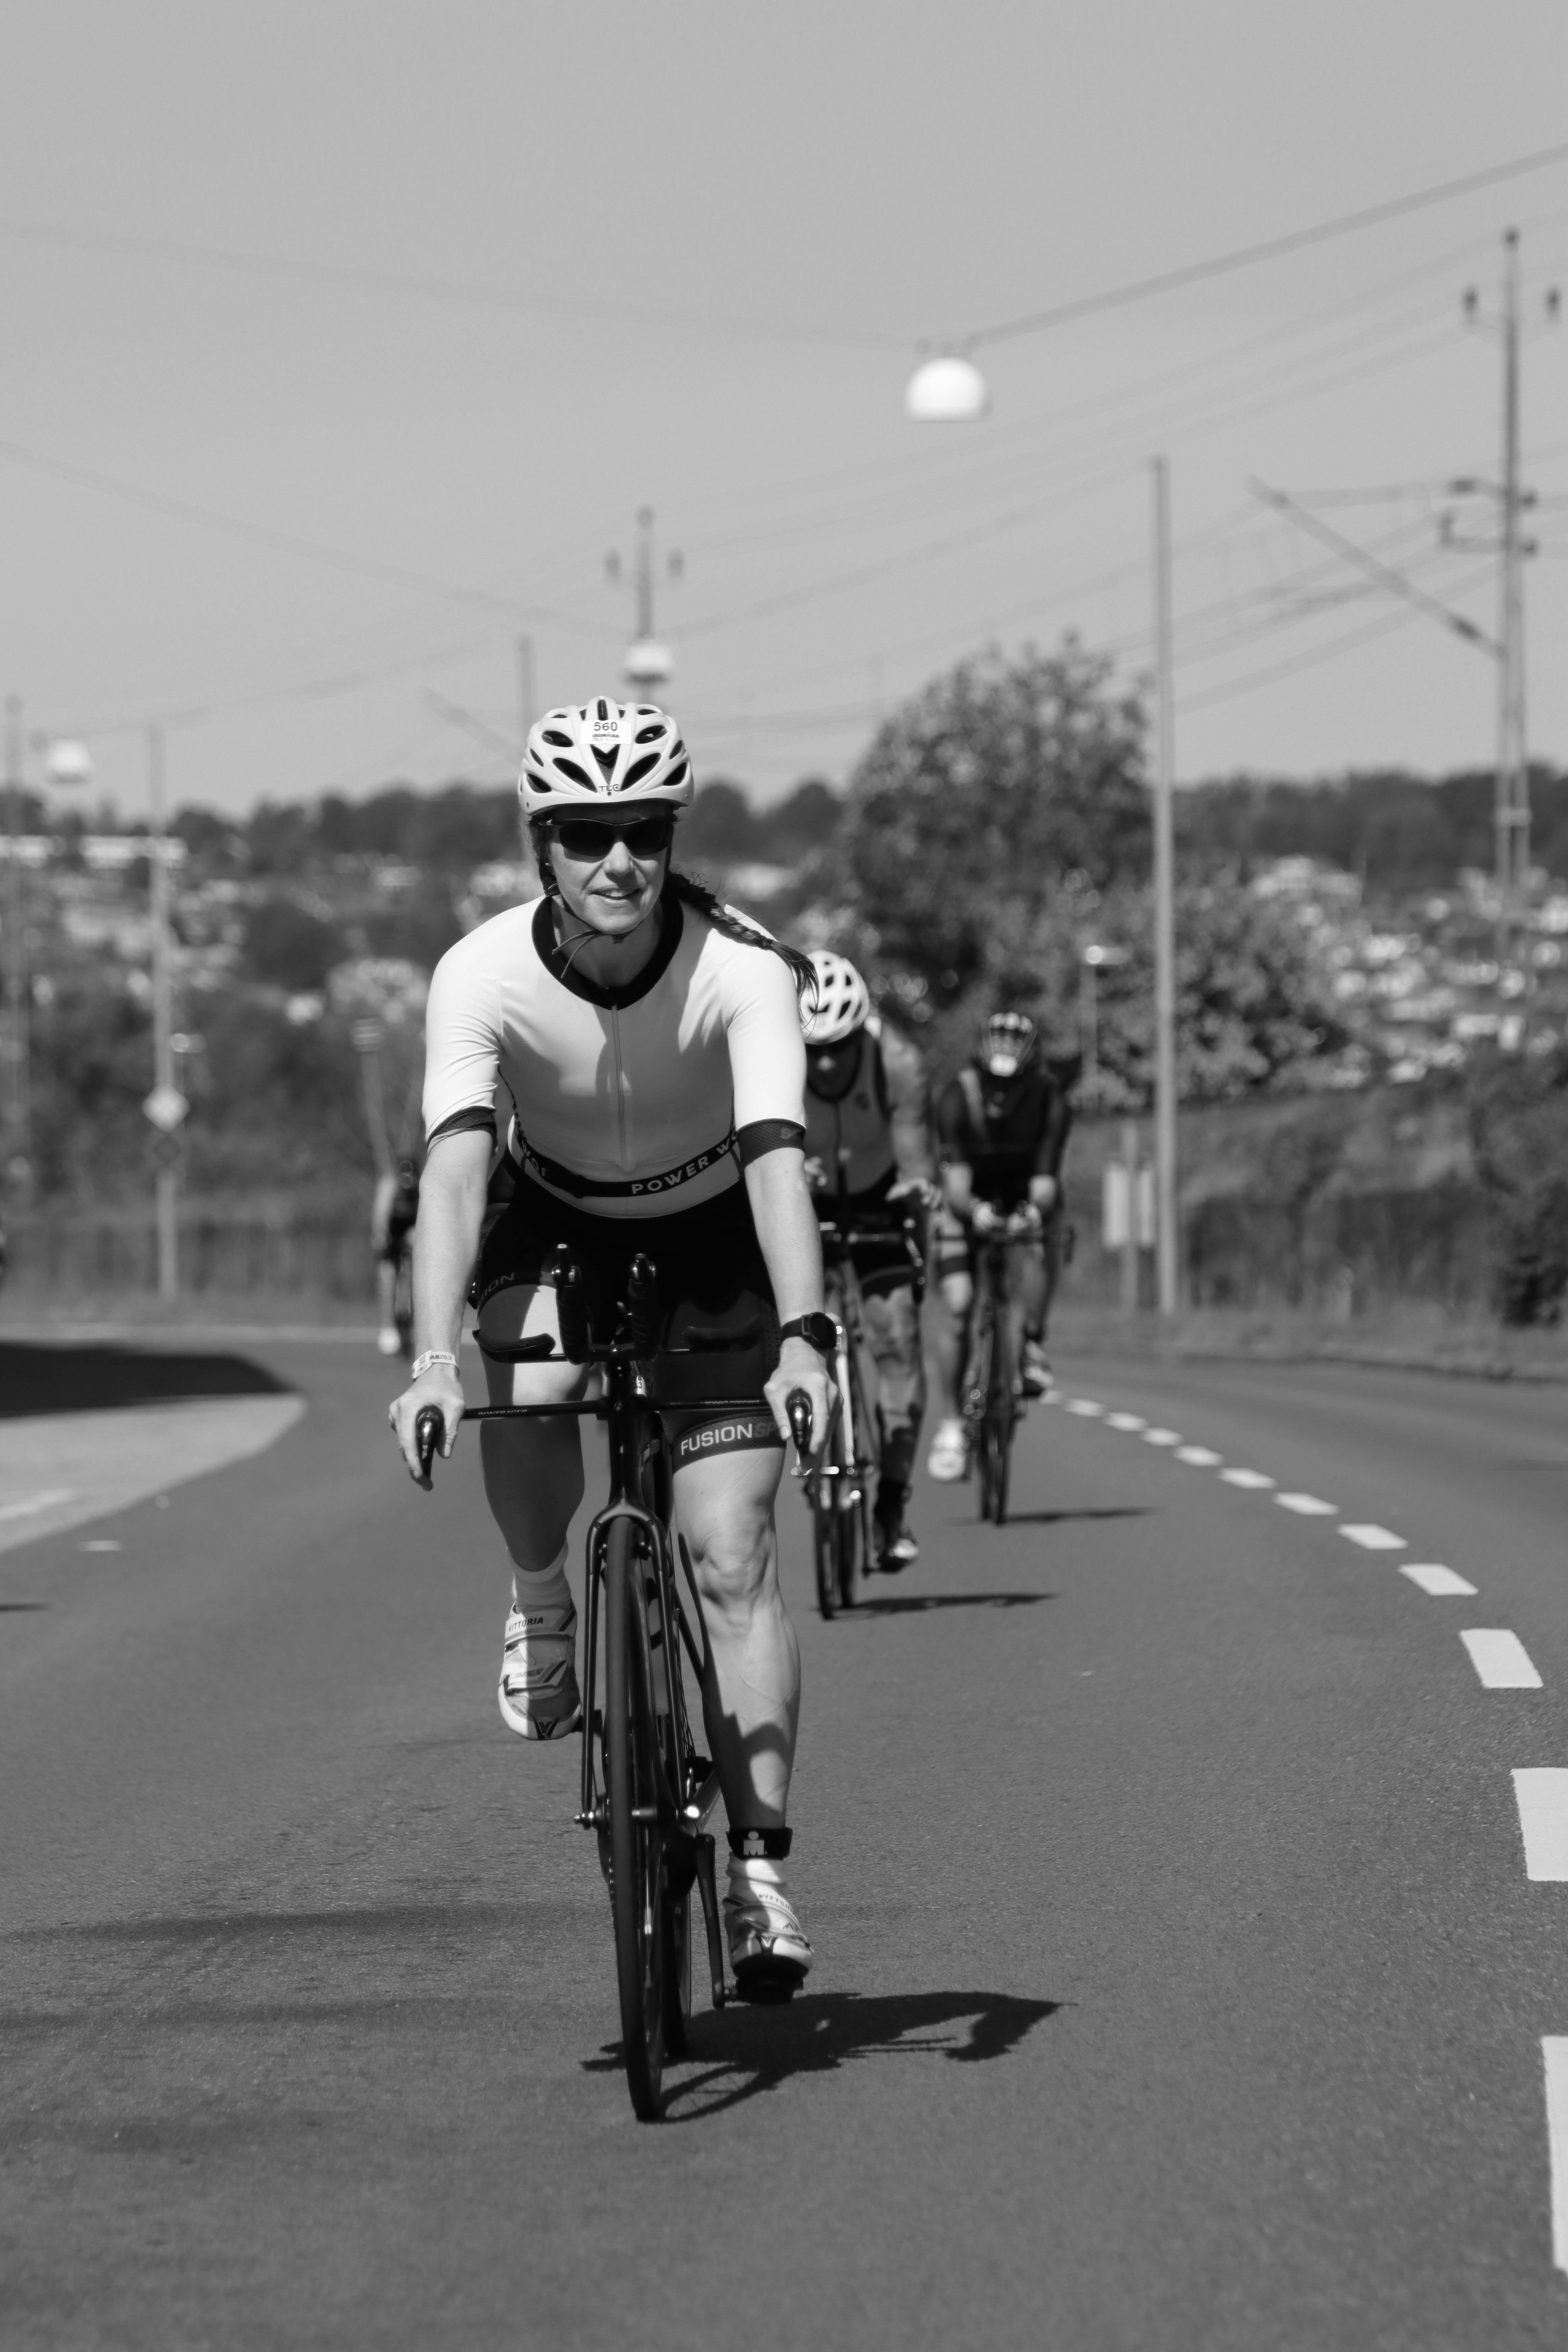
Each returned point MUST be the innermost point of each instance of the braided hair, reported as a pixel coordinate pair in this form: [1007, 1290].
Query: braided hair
[686, 889]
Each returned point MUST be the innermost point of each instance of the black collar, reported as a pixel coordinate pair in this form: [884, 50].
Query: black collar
[554, 958]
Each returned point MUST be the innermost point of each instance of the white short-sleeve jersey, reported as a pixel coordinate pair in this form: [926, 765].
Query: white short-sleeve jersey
[625, 1102]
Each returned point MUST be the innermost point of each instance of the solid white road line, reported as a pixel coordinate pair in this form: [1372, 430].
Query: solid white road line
[1440, 1583]
[1541, 1793]
[1374, 1538]
[1162, 1437]
[1251, 1478]
[1554, 2054]
[1199, 1457]
[1129, 1421]
[26, 1505]
[1086, 1405]
[1311, 1506]
[1499, 1658]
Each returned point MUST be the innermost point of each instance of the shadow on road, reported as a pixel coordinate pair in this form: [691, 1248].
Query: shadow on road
[53, 1378]
[1058, 1518]
[908, 1604]
[741, 2051]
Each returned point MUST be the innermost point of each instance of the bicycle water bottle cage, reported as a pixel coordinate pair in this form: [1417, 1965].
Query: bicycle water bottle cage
[517, 1351]
[571, 1306]
[642, 1306]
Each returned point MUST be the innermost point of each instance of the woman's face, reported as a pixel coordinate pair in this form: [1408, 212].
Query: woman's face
[607, 882]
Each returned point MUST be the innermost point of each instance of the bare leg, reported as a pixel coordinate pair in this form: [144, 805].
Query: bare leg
[533, 1469]
[751, 1699]
[956, 1294]
[893, 1335]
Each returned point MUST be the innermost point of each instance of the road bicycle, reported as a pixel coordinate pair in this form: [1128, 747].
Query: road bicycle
[839, 1485]
[992, 1398]
[648, 1793]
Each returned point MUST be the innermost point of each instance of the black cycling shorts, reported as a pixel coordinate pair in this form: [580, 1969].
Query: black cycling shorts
[719, 1332]
[884, 1262]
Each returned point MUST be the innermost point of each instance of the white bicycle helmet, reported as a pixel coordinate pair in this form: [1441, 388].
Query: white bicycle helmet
[840, 1002]
[579, 757]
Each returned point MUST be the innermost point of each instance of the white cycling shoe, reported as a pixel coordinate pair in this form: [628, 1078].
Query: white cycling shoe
[770, 1958]
[538, 1691]
[948, 1460]
[1035, 1375]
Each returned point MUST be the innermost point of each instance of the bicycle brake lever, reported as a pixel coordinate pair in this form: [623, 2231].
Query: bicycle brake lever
[428, 1430]
[798, 1405]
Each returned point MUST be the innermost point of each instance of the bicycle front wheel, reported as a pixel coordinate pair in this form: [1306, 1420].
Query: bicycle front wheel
[632, 1781]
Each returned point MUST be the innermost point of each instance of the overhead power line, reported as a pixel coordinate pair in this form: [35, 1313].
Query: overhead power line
[1384, 573]
[1271, 248]
[238, 260]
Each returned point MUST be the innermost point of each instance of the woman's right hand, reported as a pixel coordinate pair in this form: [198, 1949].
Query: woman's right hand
[440, 1388]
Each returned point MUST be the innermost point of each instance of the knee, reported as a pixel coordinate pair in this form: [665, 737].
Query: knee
[957, 1296]
[733, 1566]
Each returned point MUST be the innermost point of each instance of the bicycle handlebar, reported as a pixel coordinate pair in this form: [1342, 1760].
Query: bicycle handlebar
[428, 1435]
[798, 1405]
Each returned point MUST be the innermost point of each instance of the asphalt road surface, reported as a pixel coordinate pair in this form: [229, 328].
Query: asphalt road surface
[1183, 1979]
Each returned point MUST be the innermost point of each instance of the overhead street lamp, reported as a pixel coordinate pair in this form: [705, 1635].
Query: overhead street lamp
[951, 390]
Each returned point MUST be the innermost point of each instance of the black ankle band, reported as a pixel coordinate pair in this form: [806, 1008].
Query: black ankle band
[760, 1846]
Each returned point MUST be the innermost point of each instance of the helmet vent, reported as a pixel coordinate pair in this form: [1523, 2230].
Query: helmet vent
[606, 759]
[569, 767]
[603, 708]
[650, 735]
[638, 769]
[562, 742]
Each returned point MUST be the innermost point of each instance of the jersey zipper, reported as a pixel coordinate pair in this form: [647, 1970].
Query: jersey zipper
[620, 1090]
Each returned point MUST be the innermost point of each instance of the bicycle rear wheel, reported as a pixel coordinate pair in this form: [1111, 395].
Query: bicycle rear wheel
[632, 1781]
[995, 1464]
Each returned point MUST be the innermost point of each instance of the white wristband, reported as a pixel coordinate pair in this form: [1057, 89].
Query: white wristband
[431, 1356]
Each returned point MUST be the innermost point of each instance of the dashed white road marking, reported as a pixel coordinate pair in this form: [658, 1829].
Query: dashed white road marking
[1249, 1479]
[25, 1505]
[1199, 1457]
[103, 1543]
[1541, 1793]
[1086, 1405]
[1499, 1658]
[1311, 1506]
[1374, 1538]
[1440, 1583]
[1554, 2054]
[1162, 1437]
[1128, 1421]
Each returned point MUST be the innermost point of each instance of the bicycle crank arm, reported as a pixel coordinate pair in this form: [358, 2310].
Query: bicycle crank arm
[699, 1811]
[710, 1893]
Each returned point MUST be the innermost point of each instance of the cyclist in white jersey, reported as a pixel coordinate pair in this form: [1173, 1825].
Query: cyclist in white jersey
[635, 1049]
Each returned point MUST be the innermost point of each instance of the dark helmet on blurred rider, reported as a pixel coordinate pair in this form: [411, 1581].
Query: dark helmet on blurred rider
[1008, 1044]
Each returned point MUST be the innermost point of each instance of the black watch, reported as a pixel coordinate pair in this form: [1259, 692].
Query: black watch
[819, 1329]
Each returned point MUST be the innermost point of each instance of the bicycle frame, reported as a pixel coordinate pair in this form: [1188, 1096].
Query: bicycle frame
[637, 1461]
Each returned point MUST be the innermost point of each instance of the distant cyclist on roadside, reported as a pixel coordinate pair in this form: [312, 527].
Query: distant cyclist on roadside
[394, 1211]
[868, 1150]
[1002, 1126]
[638, 1046]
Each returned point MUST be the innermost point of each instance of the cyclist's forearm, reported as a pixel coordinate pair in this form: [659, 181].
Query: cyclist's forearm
[451, 1208]
[912, 1152]
[788, 1230]
[958, 1187]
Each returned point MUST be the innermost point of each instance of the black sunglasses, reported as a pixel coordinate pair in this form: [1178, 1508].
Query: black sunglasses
[590, 836]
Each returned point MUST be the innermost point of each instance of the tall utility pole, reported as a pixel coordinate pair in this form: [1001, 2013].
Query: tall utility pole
[163, 1086]
[1513, 801]
[649, 665]
[18, 1106]
[525, 690]
[1167, 1240]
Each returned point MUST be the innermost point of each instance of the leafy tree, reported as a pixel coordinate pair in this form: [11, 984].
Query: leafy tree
[720, 825]
[978, 797]
[1518, 1137]
[288, 947]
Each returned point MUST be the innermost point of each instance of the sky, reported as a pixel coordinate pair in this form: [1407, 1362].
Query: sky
[342, 343]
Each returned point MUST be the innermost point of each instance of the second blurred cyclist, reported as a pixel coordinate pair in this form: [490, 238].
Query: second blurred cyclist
[869, 1161]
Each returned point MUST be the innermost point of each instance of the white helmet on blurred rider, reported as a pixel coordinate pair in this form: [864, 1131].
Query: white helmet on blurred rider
[581, 757]
[840, 1002]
